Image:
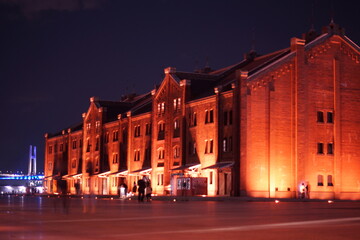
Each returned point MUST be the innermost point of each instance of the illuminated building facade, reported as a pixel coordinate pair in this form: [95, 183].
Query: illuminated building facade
[258, 128]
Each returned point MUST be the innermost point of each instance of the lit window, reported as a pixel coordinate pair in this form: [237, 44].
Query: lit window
[161, 108]
[97, 124]
[137, 131]
[176, 128]
[225, 146]
[177, 103]
[88, 126]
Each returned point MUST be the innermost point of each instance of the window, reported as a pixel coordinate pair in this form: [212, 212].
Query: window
[177, 103]
[50, 149]
[230, 144]
[320, 148]
[97, 146]
[80, 143]
[330, 181]
[176, 128]
[115, 136]
[320, 117]
[330, 148]
[114, 181]
[147, 153]
[209, 144]
[225, 145]
[329, 117]
[137, 131]
[50, 165]
[176, 152]
[192, 119]
[88, 146]
[88, 126]
[115, 158]
[211, 177]
[137, 155]
[161, 153]
[124, 135]
[61, 147]
[161, 108]
[225, 118]
[160, 179]
[192, 148]
[209, 116]
[148, 129]
[230, 117]
[97, 125]
[161, 130]
[74, 144]
[106, 137]
[73, 163]
[320, 180]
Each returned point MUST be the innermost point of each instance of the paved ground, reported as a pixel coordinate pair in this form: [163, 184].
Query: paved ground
[46, 218]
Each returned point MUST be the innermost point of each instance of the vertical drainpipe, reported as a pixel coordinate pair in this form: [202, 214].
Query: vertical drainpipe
[218, 135]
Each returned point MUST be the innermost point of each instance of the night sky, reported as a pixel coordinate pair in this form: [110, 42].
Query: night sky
[56, 54]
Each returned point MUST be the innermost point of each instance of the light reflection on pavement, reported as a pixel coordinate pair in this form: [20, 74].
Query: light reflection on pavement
[36, 217]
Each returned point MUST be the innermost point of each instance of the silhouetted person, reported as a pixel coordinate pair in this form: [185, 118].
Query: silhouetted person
[141, 190]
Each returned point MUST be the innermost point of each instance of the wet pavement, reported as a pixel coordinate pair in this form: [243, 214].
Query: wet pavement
[35, 217]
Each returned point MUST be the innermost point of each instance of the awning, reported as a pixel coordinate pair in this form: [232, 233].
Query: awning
[220, 165]
[103, 174]
[120, 173]
[186, 167]
[143, 171]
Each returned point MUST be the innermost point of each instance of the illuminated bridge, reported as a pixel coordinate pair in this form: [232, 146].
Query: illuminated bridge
[15, 183]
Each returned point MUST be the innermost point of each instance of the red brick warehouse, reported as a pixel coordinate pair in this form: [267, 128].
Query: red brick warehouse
[258, 128]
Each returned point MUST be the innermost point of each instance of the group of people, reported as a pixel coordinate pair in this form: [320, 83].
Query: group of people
[304, 191]
[144, 190]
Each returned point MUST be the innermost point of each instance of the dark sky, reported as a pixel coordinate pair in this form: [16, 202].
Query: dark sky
[56, 54]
